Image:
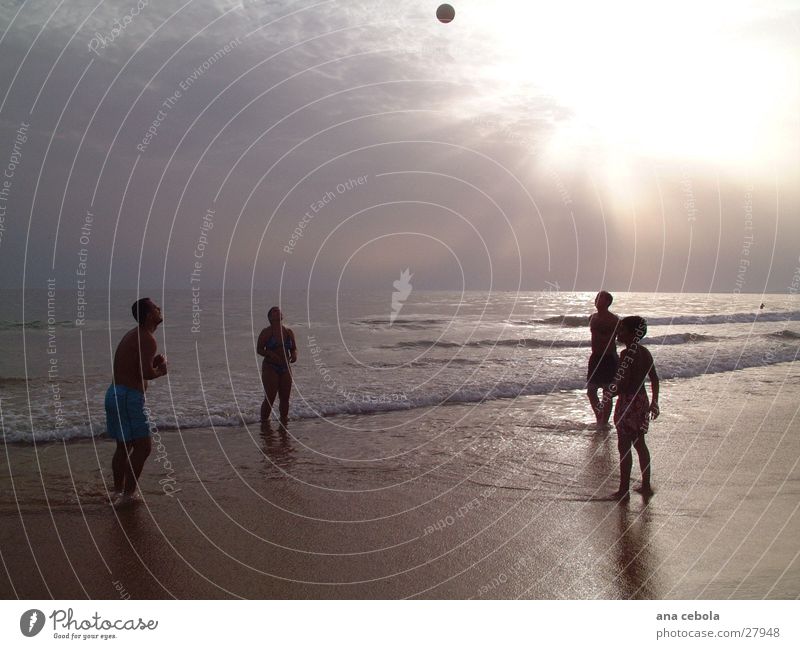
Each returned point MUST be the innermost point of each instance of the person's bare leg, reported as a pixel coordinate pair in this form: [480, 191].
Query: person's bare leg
[137, 452]
[625, 465]
[135, 463]
[269, 379]
[644, 465]
[605, 408]
[285, 388]
[118, 463]
[266, 410]
[595, 401]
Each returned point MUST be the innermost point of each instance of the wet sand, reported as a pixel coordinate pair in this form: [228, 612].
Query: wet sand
[392, 511]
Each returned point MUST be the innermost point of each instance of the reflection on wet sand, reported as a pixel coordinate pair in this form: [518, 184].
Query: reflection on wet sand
[135, 553]
[635, 556]
[279, 453]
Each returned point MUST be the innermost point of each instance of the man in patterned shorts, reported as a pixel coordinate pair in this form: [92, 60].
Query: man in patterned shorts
[634, 409]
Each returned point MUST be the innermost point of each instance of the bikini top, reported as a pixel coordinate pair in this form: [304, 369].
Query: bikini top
[273, 344]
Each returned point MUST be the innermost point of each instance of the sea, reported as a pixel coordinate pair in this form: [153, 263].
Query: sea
[359, 353]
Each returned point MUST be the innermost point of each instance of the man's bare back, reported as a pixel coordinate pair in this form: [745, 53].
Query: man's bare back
[603, 327]
[603, 360]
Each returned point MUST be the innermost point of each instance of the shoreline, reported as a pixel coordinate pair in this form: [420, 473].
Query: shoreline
[504, 500]
[253, 421]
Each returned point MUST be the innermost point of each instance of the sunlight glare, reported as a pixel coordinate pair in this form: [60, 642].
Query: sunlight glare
[664, 80]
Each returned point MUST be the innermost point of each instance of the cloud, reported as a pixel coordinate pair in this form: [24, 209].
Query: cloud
[478, 117]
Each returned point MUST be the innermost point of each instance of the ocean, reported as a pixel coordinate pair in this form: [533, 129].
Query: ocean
[358, 353]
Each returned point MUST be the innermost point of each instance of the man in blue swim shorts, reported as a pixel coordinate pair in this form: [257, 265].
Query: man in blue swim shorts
[135, 363]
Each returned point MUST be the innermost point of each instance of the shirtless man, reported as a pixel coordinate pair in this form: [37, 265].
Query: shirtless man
[604, 360]
[634, 408]
[135, 363]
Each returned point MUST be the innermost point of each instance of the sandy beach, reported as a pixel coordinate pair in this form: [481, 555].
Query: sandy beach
[372, 506]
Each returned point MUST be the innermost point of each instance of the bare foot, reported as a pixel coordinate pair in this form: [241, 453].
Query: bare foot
[127, 500]
[622, 496]
[645, 490]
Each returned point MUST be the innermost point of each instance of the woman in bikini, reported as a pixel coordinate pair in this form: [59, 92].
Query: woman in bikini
[277, 345]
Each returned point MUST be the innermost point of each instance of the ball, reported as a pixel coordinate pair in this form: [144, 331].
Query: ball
[445, 13]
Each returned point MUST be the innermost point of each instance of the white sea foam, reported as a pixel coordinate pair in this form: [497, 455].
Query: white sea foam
[361, 365]
[488, 387]
[686, 319]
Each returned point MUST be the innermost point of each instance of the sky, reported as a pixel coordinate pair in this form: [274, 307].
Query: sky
[327, 144]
